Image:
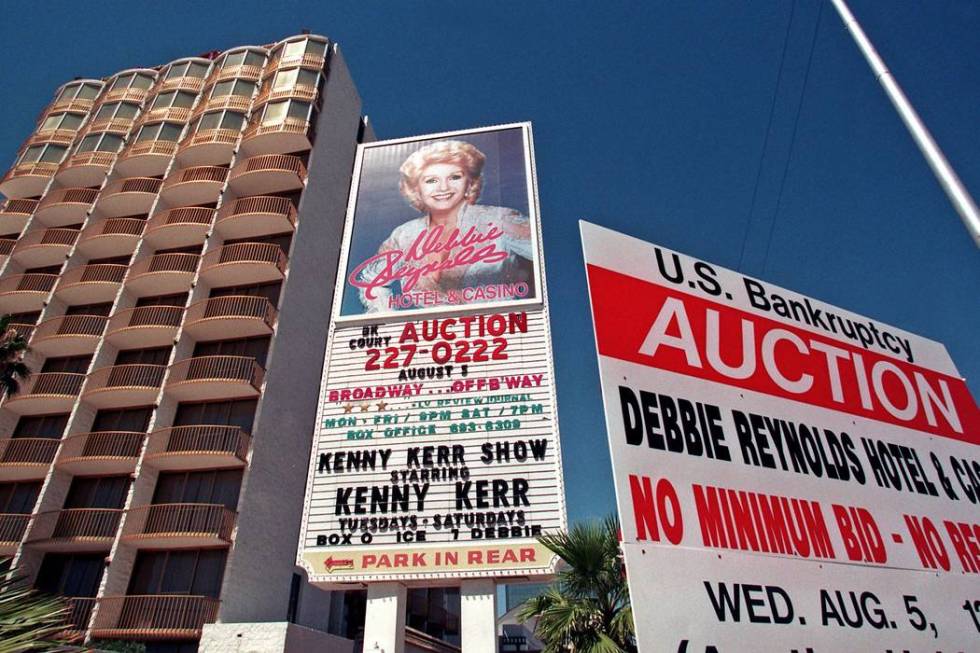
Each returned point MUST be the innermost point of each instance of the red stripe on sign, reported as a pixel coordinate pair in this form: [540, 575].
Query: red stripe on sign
[641, 322]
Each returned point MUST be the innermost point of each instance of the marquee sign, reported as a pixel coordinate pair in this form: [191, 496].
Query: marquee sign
[436, 454]
[789, 475]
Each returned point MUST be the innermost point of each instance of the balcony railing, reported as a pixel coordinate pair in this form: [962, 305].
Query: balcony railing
[287, 126]
[278, 212]
[270, 163]
[28, 451]
[12, 527]
[111, 124]
[214, 174]
[169, 114]
[210, 136]
[92, 525]
[180, 520]
[185, 83]
[55, 136]
[232, 102]
[297, 91]
[261, 253]
[95, 159]
[68, 335]
[154, 616]
[57, 240]
[24, 330]
[17, 208]
[165, 263]
[163, 149]
[7, 246]
[57, 385]
[245, 71]
[192, 216]
[146, 316]
[305, 60]
[135, 375]
[34, 283]
[149, 185]
[225, 370]
[79, 613]
[129, 94]
[92, 283]
[233, 307]
[105, 451]
[73, 203]
[215, 443]
[118, 231]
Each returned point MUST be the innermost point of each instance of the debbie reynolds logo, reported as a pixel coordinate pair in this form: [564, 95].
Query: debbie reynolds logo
[457, 250]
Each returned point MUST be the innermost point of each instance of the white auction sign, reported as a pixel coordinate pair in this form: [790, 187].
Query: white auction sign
[790, 476]
[436, 454]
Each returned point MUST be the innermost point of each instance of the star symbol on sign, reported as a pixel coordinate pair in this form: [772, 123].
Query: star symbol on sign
[365, 408]
[348, 408]
[381, 406]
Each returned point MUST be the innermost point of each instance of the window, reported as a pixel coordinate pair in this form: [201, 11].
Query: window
[128, 419]
[162, 300]
[268, 290]
[276, 112]
[232, 120]
[67, 364]
[132, 80]
[79, 92]
[61, 121]
[97, 492]
[195, 572]
[19, 498]
[295, 77]
[242, 58]
[169, 99]
[240, 413]
[233, 87]
[113, 110]
[153, 356]
[213, 486]
[159, 131]
[45, 153]
[102, 309]
[256, 348]
[100, 142]
[187, 69]
[71, 575]
[296, 49]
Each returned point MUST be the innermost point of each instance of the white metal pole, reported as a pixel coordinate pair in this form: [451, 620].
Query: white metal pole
[954, 188]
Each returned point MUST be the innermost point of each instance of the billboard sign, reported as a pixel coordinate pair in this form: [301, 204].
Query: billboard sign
[789, 475]
[439, 222]
[436, 454]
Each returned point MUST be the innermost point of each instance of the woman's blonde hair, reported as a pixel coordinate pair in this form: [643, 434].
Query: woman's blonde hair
[461, 153]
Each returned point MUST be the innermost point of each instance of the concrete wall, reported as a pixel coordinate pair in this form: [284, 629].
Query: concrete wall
[277, 637]
[261, 562]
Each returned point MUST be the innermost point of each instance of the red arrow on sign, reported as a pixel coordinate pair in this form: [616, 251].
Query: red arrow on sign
[330, 564]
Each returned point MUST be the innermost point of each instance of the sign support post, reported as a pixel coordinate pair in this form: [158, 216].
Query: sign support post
[384, 619]
[478, 615]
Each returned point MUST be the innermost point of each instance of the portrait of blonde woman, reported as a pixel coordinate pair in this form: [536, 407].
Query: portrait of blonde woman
[455, 250]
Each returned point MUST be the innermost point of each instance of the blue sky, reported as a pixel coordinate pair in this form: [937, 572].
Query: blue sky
[650, 118]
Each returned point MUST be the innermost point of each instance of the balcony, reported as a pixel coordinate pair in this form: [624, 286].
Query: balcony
[303, 92]
[196, 185]
[256, 216]
[208, 147]
[237, 316]
[63, 137]
[241, 103]
[7, 246]
[243, 263]
[120, 386]
[26, 459]
[65, 206]
[246, 72]
[75, 529]
[162, 274]
[14, 214]
[111, 237]
[91, 284]
[166, 114]
[79, 613]
[215, 377]
[146, 158]
[73, 103]
[128, 196]
[127, 94]
[304, 60]
[102, 452]
[12, 528]
[180, 227]
[143, 327]
[69, 335]
[44, 247]
[119, 125]
[267, 174]
[25, 293]
[85, 168]
[184, 83]
[166, 616]
[24, 330]
[198, 447]
[27, 179]
[179, 525]
[45, 393]
[290, 135]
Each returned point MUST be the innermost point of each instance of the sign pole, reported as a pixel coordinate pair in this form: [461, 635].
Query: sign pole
[384, 618]
[954, 188]
[478, 615]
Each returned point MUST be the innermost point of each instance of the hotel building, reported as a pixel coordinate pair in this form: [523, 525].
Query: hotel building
[168, 245]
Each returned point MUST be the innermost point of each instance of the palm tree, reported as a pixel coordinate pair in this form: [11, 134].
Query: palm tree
[13, 370]
[587, 609]
[29, 621]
